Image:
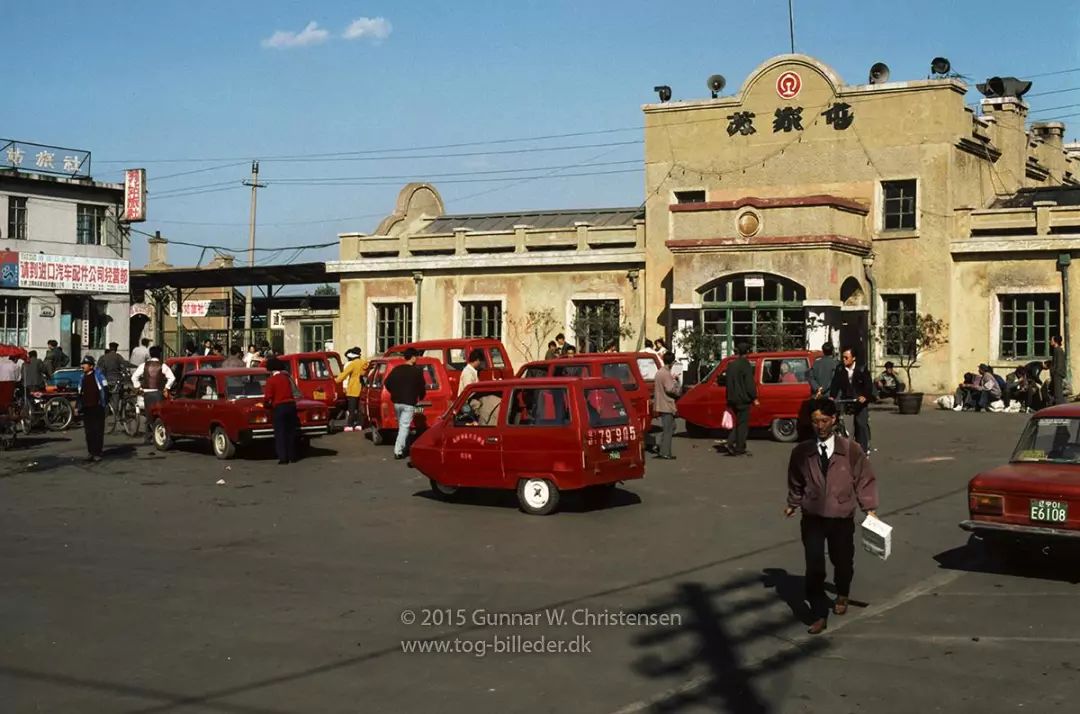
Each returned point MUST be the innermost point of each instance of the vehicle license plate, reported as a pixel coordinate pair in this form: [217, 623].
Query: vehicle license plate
[419, 410]
[614, 455]
[318, 394]
[1049, 511]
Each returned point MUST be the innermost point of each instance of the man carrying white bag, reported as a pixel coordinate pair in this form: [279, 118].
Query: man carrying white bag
[827, 477]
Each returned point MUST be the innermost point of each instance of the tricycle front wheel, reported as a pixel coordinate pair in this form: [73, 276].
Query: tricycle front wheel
[537, 496]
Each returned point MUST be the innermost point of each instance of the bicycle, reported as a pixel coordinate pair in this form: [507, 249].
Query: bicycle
[53, 411]
[124, 410]
[843, 406]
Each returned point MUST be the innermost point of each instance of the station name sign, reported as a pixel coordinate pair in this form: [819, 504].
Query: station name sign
[44, 159]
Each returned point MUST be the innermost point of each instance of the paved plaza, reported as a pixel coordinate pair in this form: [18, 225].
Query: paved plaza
[142, 585]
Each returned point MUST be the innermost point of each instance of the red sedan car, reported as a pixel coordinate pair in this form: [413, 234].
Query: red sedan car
[1034, 500]
[225, 407]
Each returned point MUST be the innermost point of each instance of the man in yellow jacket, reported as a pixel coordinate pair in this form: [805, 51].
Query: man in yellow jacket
[353, 377]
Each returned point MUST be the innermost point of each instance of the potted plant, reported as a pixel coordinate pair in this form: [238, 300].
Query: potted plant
[908, 336]
[704, 349]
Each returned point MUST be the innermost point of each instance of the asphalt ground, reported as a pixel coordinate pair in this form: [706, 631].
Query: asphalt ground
[140, 584]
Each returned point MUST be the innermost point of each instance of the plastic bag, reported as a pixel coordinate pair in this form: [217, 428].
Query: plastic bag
[946, 402]
[728, 420]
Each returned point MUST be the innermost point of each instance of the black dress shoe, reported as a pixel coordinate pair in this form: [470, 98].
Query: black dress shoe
[282, 462]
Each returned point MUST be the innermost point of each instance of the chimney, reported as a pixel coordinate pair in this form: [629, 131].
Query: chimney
[1050, 132]
[1010, 136]
[222, 260]
[158, 252]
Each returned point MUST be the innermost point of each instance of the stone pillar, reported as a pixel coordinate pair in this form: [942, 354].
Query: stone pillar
[582, 234]
[519, 237]
[1042, 216]
[459, 241]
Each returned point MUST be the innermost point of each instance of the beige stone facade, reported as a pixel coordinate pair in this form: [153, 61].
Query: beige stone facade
[801, 202]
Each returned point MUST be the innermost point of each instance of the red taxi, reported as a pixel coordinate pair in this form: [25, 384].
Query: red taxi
[454, 354]
[377, 409]
[783, 388]
[314, 374]
[180, 365]
[225, 407]
[628, 368]
[1034, 500]
[539, 437]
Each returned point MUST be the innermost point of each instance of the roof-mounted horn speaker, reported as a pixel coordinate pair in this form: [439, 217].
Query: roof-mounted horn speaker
[940, 66]
[716, 83]
[879, 73]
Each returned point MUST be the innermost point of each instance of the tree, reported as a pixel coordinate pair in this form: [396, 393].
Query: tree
[908, 337]
[596, 328]
[531, 331]
[326, 289]
[704, 348]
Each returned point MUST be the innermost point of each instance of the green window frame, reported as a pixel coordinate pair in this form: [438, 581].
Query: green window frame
[393, 325]
[481, 319]
[315, 335]
[1028, 321]
[900, 312]
[767, 316]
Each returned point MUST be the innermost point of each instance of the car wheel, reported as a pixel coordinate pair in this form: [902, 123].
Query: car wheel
[163, 440]
[537, 496]
[223, 446]
[376, 436]
[442, 491]
[785, 430]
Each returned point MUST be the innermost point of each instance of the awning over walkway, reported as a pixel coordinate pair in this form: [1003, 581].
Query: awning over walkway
[294, 274]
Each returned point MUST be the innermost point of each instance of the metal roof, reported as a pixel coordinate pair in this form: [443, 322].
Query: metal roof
[536, 219]
[1026, 197]
[293, 274]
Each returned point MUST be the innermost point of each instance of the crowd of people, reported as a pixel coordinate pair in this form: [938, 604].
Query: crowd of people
[1025, 387]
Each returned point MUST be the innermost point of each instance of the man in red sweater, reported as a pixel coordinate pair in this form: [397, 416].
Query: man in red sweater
[279, 397]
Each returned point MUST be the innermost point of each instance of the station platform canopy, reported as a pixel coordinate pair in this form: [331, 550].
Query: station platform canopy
[263, 275]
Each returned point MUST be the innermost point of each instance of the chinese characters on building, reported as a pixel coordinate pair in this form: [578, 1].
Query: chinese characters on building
[21, 155]
[71, 272]
[788, 119]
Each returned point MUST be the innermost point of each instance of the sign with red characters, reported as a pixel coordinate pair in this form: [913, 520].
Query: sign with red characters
[72, 272]
[134, 195]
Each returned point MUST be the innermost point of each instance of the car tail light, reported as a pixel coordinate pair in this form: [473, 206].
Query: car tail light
[318, 416]
[986, 504]
[259, 418]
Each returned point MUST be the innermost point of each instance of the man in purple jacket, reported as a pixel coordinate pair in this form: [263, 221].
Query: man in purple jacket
[827, 477]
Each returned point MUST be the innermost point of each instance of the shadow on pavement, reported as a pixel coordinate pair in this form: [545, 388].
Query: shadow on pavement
[705, 653]
[260, 451]
[1061, 564]
[583, 501]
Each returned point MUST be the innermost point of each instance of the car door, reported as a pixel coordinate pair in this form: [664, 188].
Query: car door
[540, 437]
[201, 408]
[473, 440]
[178, 419]
[373, 393]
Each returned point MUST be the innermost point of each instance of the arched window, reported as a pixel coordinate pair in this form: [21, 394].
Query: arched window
[764, 310]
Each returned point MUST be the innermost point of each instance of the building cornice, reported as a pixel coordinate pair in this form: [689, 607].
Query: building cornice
[489, 262]
[844, 204]
[830, 241]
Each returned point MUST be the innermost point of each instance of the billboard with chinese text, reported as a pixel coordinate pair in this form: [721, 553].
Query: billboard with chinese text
[39, 158]
[72, 272]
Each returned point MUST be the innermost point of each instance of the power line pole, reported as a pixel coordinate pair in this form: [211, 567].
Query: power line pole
[255, 186]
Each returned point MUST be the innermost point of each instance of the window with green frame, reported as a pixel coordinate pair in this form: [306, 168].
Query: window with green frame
[764, 310]
[899, 317]
[315, 335]
[1027, 323]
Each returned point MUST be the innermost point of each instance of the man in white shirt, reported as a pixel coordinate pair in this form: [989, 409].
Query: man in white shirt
[141, 353]
[9, 369]
[471, 373]
[251, 355]
[154, 378]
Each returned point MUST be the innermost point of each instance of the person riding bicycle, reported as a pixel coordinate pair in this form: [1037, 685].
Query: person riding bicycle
[852, 381]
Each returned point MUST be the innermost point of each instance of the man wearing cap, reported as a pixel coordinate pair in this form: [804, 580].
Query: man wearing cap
[112, 365]
[93, 397]
[353, 377]
[407, 388]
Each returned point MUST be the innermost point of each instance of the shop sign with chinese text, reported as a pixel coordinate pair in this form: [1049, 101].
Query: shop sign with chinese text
[73, 272]
[42, 159]
[134, 195]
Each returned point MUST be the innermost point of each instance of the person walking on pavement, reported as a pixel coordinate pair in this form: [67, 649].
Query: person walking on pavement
[141, 353]
[353, 377]
[93, 398]
[852, 381]
[54, 357]
[665, 392]
[153, 378]
[821, 374]
[278, 395]
[827, 476]
[1057, 370]
[741, 395]
[471, 373]
[235, 358]
[34, 373]
[112, 365]
[406, 387]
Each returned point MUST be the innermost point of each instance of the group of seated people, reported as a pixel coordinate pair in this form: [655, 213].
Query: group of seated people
[1023, 385]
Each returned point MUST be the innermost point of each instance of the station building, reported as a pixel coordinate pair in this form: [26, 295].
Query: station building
[799, 204]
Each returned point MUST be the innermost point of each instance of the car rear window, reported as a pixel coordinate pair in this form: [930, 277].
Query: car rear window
[621, 372]
[605, 407]
[534, 372]
[497, 359]
[787, 370]
[1052, 440]
[313, 369]
[570, 370]
[539, 406]
[431, 377]
[245, 386]
[458, 358]
[647, 367]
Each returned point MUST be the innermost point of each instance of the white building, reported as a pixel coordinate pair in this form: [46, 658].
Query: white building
[63, 254]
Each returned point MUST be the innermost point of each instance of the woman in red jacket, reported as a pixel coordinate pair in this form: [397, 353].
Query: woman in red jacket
[279, 397]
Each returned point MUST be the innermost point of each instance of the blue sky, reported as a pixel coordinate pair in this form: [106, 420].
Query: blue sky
[154, 83]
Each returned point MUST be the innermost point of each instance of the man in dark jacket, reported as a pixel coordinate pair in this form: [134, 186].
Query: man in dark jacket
[407, 388]
[93, 396]
[54, 357]
[112, 366]
[35, 372]
[741, 394]
[852, 381]
[822, 372]
[1057, 370]
[827, 476]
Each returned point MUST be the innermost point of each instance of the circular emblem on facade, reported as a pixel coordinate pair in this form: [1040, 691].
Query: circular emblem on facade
[788, 85]
[748, 224]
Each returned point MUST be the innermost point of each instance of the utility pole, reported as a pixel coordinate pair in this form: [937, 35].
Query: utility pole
[255, 186]
[791, 24]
